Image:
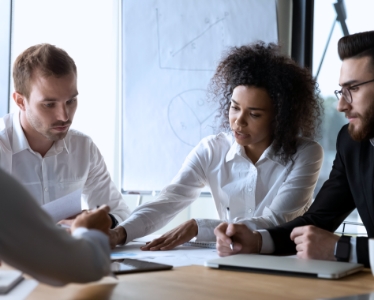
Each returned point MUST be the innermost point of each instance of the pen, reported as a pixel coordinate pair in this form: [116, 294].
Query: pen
[229, 222]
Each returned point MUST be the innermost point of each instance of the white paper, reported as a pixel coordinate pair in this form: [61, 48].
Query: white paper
[171, 50]
[64, 207]
[178, 257]
[21, 290]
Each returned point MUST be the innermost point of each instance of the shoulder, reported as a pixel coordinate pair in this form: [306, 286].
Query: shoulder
[211, 148]
[6, 127]
[76, 136]
[308, 149]
[220, 140]
[79, 142]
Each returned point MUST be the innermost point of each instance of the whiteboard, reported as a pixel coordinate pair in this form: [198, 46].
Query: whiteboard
[170, 51]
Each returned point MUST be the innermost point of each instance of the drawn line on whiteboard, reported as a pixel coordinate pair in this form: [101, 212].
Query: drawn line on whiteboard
[183, 126]
[183, 47]
[200, 35]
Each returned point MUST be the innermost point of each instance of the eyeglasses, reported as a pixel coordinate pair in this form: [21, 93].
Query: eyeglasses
[346, 91]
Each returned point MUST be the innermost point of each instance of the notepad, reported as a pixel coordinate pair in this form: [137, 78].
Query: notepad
[211, 245]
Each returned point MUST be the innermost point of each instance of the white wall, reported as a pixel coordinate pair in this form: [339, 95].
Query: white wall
[88, 31]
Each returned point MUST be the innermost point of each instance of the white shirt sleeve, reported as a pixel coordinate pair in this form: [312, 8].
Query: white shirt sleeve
[353, 255]
[99, 189]
[184, 189]
[292, 199]
[32, 243]
[267, 242]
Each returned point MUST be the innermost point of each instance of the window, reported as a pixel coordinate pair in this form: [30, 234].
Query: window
[5, 25]
[88, 31]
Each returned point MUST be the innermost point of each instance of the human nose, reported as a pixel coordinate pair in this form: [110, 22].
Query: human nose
[343, 105]
[63, 113]
[240, 121]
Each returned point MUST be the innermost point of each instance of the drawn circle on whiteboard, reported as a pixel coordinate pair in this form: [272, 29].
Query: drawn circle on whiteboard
[191, 117]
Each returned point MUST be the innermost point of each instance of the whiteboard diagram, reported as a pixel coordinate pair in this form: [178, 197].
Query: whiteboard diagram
[195, 52]
[191, 117]
[171, 49]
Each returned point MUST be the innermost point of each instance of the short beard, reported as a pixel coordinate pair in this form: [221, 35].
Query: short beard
[367, 131]
[37, 125]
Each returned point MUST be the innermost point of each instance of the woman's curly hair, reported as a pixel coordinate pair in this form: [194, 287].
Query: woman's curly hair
[292, 89]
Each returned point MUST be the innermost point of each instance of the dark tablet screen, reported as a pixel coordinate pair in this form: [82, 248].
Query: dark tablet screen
[128, 265]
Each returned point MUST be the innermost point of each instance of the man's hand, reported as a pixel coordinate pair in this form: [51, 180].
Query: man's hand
[94, 219]
[179, 235]
[314, 243]
[243, 239]
[117, 236]
[69, 221]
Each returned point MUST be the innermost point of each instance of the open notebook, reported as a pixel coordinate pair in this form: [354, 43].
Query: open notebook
[285, 265]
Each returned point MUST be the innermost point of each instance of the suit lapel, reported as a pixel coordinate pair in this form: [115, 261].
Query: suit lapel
[366, 175]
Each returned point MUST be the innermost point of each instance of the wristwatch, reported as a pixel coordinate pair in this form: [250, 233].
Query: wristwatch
[114, 221]
[343, 248]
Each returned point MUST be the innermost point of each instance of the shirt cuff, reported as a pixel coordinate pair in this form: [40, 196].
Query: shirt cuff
[267, 242]
[353, 255]
[205, 230]
[92, 234]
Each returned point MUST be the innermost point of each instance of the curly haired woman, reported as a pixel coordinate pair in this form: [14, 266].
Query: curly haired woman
[263, 169]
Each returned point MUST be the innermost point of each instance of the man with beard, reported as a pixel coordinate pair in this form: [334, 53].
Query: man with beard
[38, 148]
[349, 186]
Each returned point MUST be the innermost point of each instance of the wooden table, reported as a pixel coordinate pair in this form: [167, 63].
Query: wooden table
[198, 282]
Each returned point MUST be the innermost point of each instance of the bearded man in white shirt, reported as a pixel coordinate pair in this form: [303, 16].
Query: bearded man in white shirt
[37, 145]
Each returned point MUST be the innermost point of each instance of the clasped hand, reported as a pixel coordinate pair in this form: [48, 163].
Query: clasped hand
[314, 243]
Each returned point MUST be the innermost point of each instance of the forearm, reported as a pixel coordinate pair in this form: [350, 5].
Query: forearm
[52, 256]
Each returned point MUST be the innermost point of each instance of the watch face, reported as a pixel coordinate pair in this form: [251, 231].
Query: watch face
[343, 250]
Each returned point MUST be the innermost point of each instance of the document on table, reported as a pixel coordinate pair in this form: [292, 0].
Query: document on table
[64, 207]
[21, 291]
[178, 257]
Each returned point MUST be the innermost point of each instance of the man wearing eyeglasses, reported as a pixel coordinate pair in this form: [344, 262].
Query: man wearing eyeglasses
[351, 181]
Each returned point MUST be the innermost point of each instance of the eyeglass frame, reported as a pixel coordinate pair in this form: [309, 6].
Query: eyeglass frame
[340, 93]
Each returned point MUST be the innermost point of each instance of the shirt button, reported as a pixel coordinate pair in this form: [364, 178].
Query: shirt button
[46, 189]
[250, 189]
[250, 210]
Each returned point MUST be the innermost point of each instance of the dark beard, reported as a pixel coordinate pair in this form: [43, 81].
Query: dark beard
[367, 131]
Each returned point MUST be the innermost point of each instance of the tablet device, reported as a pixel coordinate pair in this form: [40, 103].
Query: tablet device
[9, 279]
[127, 265]
[285, 265]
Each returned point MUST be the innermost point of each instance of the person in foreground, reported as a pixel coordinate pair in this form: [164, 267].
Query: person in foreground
[264, 171]
[350, 184]
[32, 243]
[38, 147]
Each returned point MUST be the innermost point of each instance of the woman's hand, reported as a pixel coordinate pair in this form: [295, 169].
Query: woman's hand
[175, 237]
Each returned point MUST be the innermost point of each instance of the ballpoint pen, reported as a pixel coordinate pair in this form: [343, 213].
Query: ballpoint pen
[229, 222]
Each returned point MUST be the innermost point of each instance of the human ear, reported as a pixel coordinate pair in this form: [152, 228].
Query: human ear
[19, 99]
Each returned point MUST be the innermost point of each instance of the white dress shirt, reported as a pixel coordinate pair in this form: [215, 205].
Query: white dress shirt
[32, 243]
[73, 163]
[261, 195]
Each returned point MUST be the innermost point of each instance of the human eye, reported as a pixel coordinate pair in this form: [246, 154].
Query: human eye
[71, 101]
[353, 88]
[49, 105]
[255, 116]
[234, 107]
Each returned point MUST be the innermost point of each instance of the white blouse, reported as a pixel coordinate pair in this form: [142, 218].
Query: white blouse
[260, 195]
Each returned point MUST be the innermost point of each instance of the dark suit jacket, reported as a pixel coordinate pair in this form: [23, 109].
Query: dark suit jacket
[349, 186]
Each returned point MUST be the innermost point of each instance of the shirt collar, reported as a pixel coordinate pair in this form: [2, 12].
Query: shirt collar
[20, 142]
[237, 149]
